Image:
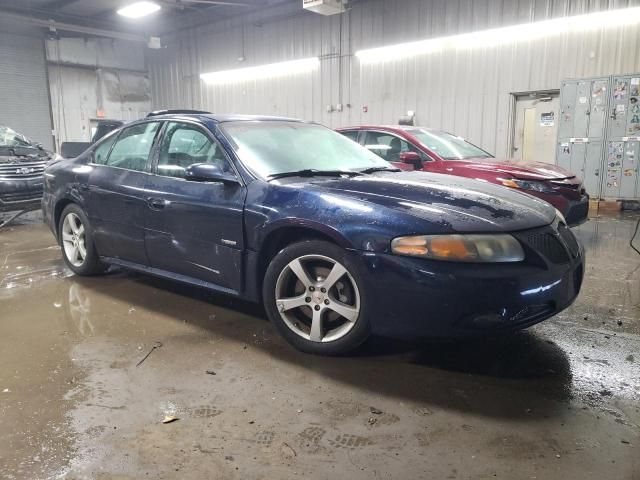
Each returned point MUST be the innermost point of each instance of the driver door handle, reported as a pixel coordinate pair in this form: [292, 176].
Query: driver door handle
[156, 203]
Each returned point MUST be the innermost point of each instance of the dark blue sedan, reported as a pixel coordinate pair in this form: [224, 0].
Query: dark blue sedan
[334, 241]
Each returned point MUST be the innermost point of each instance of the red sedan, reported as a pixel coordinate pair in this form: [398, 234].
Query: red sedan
[417, 148]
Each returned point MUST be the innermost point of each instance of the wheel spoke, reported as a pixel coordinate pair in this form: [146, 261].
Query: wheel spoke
[297, 268]
[66, 236]
[336, 273]
[73, 223]
[346, 311]
[81, 230]
[73, 253]
[316, 326]
[82, 251]
[285, 304]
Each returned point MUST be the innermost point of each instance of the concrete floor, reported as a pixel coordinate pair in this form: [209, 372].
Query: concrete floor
[560, 400]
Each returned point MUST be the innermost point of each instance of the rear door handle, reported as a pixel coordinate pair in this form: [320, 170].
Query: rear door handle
[156, 203]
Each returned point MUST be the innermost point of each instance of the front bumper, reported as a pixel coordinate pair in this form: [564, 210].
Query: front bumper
[577, 212]
[20, 194]
[413, 298]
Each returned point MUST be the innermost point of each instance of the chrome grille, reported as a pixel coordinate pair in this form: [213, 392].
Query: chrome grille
[22, 170]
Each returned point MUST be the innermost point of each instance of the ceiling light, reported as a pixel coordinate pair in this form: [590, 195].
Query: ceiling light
[504, 35]
[139, 9]
[260, 71]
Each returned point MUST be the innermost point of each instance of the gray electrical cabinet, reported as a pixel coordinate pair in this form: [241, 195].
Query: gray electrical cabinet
[623, 138]
[599, 134]
[581, 130]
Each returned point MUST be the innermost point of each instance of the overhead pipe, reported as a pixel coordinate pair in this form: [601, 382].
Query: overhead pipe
[68, 27]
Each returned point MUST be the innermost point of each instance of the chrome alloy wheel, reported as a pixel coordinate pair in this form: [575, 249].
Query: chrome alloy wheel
[317, 298]
[73, 240]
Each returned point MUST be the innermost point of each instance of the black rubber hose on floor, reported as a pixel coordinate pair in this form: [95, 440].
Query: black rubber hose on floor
[634, 236]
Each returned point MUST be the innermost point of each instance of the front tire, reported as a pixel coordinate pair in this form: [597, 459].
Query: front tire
[313, 294]
[76, 241]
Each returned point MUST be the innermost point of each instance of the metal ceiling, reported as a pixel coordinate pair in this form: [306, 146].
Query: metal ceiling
[101, 14]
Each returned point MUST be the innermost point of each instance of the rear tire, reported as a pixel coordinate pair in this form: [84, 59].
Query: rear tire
[313, 294]
[76, 242]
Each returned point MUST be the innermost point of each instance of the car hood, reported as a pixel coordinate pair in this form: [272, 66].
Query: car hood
[457, 203]
[22, 154]
[517, 168]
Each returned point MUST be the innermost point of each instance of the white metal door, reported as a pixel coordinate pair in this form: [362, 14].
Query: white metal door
[536, 127]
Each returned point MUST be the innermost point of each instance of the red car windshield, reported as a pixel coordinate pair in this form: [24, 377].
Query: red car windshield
[448, 146]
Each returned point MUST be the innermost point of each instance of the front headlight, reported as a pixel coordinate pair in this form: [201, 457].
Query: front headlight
[479, 248]
[532, 185]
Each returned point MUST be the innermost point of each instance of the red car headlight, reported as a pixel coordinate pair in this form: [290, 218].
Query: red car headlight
[531, 185]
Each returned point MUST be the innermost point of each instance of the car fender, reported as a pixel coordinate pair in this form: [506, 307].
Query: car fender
[273, 227]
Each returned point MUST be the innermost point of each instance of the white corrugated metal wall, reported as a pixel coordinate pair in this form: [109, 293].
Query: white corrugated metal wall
[465, 91]
[24, 104]
[93, 77]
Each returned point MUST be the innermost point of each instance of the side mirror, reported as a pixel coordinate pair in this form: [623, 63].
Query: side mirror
[412, 158]
[207, 172]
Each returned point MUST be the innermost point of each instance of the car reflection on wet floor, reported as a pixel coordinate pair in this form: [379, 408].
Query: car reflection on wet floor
[560, 399]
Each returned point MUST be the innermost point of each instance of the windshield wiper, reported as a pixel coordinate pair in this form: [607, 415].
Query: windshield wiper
[312, 172]
[379, 169]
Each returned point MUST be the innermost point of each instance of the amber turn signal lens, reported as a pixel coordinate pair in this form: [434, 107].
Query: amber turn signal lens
[415, 246]
[509, 183]
[451, 247]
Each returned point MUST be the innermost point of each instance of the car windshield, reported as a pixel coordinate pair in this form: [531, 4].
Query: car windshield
[274, 147]
[449, 147]
[11, 138]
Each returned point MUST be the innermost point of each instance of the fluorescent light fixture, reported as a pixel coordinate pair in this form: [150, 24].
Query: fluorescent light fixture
[505, 35]
[139, 9]
[402, 50]
[260, 71]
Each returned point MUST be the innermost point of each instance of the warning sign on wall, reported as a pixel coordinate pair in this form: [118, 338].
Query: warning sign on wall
[547, 119]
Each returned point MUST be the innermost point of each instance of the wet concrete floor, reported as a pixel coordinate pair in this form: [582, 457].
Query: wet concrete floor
[561, 400]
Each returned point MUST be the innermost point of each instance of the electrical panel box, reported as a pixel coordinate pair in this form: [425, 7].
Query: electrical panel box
[599, 134]
[623, 138]
[323, 7]
[581, 130]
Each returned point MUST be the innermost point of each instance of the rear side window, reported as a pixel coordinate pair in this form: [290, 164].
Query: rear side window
[351, 134]
[133, 147]
[101, 152]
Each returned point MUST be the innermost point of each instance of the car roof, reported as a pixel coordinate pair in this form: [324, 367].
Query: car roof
[389, 127]
[222, 118]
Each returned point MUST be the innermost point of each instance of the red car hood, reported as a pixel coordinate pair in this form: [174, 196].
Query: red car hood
[518, 169]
